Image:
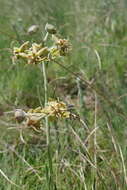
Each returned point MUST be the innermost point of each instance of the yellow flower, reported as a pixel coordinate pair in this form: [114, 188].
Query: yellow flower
[41, 55]
[33, 55]
[54, 52]
[53, 110]
[35, 47]
[63, 46]
[21, 49]
[38, 53]
[43, 52]
[56, 109]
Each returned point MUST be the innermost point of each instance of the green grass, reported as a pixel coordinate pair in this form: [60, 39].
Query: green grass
[83, 158]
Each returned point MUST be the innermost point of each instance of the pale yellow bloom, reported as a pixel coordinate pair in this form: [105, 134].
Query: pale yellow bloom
[22, 48]
[56, 109]
[33, 55]
[53, 110]
[63, 46]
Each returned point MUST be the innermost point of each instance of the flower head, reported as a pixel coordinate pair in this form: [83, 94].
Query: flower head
[63, 46]
[54, 109]
[37, 53]
[33, 55]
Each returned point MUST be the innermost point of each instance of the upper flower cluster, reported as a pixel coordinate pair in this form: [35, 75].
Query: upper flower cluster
[37, 53]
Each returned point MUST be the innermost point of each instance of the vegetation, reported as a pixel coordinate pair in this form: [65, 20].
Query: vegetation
[86, 149]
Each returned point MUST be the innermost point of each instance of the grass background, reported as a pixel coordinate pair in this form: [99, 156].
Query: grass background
[82, 159]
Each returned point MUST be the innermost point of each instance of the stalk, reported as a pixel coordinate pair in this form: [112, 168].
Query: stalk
[49, 168]
[46, 100]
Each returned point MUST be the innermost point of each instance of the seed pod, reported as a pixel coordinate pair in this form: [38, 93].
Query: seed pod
[50, 29]
[19, 115]
[33, 29]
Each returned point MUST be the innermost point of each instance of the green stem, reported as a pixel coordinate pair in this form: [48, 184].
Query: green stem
[50, 171]
[46, 37]
[46, 100]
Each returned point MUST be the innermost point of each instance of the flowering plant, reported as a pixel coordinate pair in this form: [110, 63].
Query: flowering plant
[38, 54]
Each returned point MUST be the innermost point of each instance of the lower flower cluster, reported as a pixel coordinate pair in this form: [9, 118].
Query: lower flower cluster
[53, 110]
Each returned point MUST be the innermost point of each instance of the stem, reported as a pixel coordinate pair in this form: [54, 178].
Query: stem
[50, 170]
[46, 100]
[46, 37]
[95, 143]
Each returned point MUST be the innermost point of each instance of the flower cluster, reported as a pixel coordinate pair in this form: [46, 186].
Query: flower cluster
[38, 53]
[53, 110]
[56, 109]
[35, 54]
[63, 46]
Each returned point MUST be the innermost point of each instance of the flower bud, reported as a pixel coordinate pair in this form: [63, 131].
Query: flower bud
[50, 29]
[19, 115]
[32, 29]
